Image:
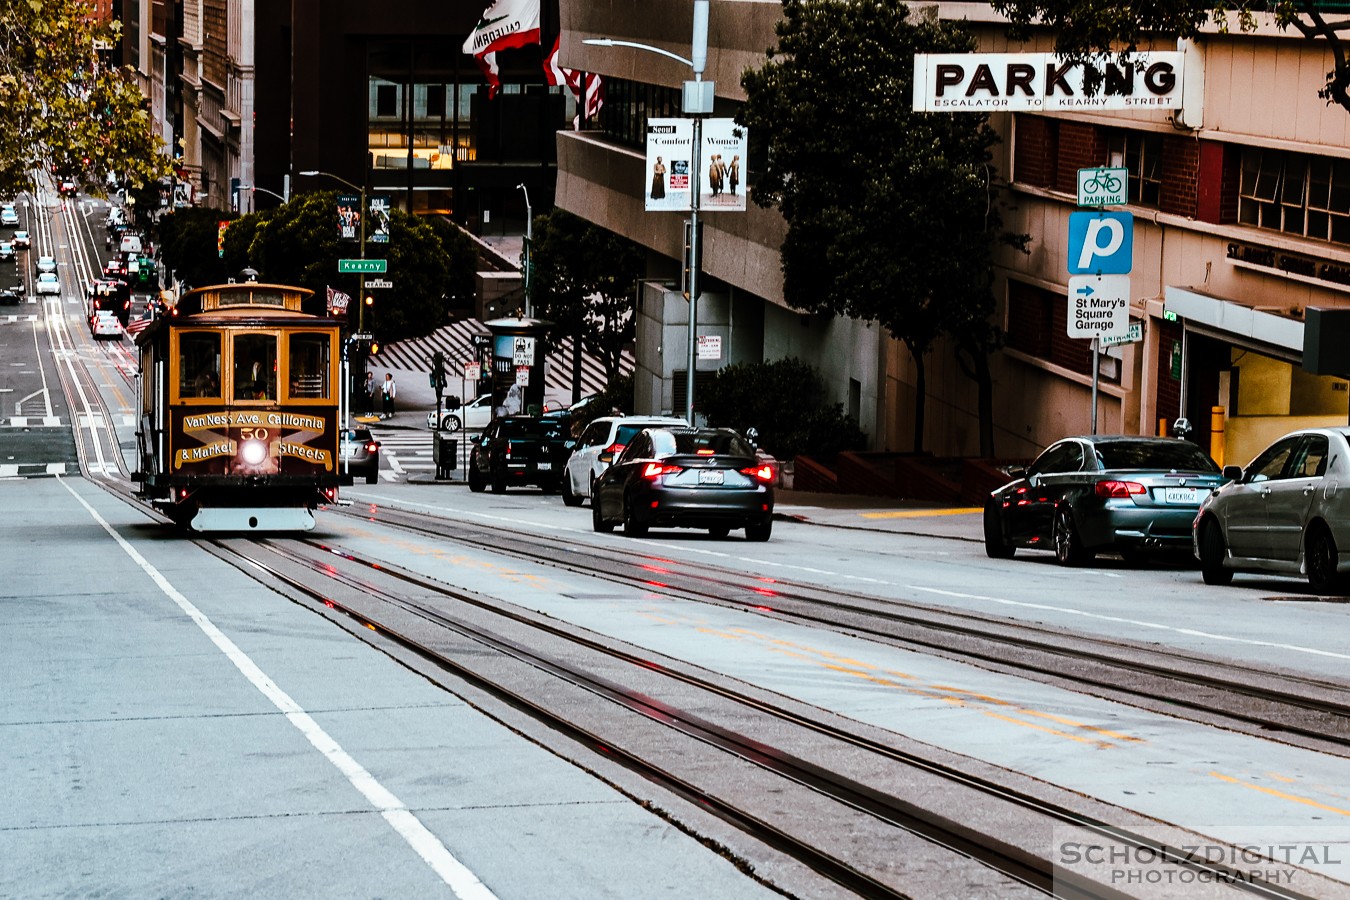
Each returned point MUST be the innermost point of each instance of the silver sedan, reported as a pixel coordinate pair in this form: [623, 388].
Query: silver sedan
[1287, 511]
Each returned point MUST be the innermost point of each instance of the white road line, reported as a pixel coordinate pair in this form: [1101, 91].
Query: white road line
[1142, 624]
[455, 874]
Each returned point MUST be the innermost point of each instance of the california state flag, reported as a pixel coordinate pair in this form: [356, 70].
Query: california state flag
[503, 25]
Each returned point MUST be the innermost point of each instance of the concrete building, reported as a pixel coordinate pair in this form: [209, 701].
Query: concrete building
[1242, 221]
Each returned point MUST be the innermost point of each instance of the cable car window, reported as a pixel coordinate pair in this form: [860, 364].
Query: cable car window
[199, 364]
[255, 367]
[308, 359]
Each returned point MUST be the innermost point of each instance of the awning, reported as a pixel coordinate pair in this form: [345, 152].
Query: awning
[1254, 329]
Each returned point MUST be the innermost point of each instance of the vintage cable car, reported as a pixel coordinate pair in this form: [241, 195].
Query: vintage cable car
[240, 409]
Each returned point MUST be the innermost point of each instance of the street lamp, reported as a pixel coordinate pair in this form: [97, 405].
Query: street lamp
[529, 250]
[254, 187]
[361, 291]
[697, 103]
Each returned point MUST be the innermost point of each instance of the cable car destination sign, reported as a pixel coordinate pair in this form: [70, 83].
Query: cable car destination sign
[998, 82]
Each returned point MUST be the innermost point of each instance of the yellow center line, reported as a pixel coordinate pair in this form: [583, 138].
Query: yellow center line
[1083, 725]
[1105, 745]
[920, 513]
[1281, 794]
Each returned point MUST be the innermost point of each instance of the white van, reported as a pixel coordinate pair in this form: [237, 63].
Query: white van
[131, 243]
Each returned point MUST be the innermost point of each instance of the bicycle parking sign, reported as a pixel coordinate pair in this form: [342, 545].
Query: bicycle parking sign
[1103, 186]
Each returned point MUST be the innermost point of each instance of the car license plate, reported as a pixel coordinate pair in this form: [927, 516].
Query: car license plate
[709, 476]
[1185, 496]
[544, 467]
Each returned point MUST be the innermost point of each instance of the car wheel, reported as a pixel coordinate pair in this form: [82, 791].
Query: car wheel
[759, 531]
[1068, 545]
[598, 522]
[631, 526]
[450, 423]
[1321, 556]
[1212, 553]
[720, 532]
[996, 546]
[569, 497]
[498, 482]
[476, 483]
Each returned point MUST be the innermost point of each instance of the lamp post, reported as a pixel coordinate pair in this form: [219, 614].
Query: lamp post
[529, 251]
[361, 291]
[253, 187]
[697, 103]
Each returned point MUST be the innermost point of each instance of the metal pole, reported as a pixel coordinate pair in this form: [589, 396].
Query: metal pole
[529, 251]
[694, 263]
[361, 297]
[1096, 374]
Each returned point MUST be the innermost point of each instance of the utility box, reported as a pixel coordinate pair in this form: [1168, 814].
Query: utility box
[445, 453]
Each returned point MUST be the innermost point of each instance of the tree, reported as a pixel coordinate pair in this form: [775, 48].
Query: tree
[1088, 27]
[187, 244]
[889, 212]
[584, 282]
[63, 110]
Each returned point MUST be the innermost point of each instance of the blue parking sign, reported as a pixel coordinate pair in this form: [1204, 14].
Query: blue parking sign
[1101, 243]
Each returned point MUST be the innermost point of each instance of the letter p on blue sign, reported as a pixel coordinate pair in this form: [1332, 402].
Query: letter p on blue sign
[1101, 243]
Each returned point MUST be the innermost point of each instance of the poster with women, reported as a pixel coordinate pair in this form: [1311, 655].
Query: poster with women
[669, 175]
[667, 181]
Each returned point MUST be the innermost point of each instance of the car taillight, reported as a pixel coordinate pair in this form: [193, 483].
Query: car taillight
[372, 446]
[1118, 488]
[611, 451]
[763, 474]
[656, 470]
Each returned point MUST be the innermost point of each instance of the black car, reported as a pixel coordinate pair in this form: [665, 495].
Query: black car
[1116, 493]
[360, 453]
[516, 450]
[686, 478]
[11, 295]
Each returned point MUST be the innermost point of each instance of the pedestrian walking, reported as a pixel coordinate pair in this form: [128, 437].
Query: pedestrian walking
[388, 391]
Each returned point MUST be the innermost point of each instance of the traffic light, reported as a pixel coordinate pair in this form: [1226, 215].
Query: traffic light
[370, 299]
[437, 374]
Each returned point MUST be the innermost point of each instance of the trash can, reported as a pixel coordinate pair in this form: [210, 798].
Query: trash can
[445, 453]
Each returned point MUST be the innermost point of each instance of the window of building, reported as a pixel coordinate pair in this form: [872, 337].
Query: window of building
[435, 105]
[386, 100]
[1141, 153]
[1295, 193]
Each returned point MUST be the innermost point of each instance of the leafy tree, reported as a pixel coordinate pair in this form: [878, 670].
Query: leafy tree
[889, 211]
[63, 110]
[187, 244]
[786, 401]
[584, 282]
[1087, 27]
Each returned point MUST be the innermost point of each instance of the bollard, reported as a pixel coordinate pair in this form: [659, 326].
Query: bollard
[1216, 434]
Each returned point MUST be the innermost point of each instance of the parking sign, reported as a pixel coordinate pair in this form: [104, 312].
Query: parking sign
[1101, 243]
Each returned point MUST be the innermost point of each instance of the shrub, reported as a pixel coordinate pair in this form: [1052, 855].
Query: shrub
[786, 402]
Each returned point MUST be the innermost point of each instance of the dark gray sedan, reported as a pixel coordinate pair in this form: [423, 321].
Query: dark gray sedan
[1287, 512]
[1125, 494]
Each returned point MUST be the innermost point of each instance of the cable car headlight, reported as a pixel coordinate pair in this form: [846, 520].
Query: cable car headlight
[253, 452]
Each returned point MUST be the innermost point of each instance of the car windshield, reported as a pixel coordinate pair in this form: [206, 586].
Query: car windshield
[708, 443]
[352, 435]
[1164, 455]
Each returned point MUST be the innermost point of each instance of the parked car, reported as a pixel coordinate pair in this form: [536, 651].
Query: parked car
[103, 324]
[9, 218]
[360, 453]
[7, 253]
[11, 296]
[45, 264]
[473, 417]
[1084, 495]
[516, 450]
[47, 283]
[1285, 512]
[22, 240]
[686, 478]
[601, 441]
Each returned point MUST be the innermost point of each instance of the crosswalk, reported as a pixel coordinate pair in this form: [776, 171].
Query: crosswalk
[456, 342]
[407, 451]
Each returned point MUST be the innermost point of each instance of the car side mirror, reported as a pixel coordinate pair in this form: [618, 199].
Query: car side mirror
[570, 445]
[1015, 472]
[1232, 473]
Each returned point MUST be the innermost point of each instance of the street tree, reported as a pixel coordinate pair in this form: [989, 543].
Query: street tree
[64, 109]
[890, 213]
[585, 278]
[187, 245]
[1085, 28]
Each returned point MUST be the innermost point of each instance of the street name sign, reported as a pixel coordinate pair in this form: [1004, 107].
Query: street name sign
[378, 282]
[1099, 306]
[1103, 186]
[363, 266]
